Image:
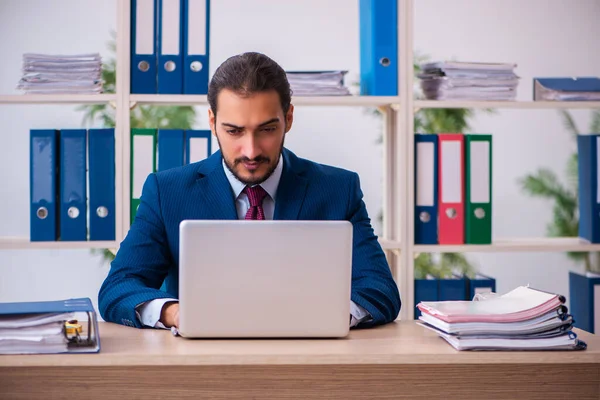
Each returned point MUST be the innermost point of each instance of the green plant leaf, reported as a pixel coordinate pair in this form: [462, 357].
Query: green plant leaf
[569, 122]
[595, 124]
[573, 173]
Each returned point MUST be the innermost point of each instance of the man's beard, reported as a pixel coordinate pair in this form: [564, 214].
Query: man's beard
[259, 159]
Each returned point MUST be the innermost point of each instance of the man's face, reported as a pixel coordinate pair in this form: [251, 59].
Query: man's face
[250, 131]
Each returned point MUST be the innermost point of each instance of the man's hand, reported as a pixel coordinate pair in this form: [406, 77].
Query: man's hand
[169, 316]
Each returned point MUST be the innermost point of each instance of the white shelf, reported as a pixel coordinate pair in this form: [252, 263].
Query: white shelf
[20, 243]
[526, 105]
[389, 244]
[357, 101]
[169, 99]
[514, 245]
[57, 98]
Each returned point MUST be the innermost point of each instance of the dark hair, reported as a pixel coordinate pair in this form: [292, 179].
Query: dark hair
[250, 73]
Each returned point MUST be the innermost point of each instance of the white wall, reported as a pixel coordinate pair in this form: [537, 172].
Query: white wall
[312, 34]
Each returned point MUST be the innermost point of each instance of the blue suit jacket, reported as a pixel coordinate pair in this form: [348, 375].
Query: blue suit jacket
[149, 255]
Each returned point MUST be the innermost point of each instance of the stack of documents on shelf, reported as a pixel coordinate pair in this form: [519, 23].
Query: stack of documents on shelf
[468, 81]
[61, 74]
[318, 83]
[66, 326]
[523, 319]
[566, 89]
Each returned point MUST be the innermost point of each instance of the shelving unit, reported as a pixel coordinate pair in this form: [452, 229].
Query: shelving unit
[58, 99]
[398, 159]
[524, 105]
[354, 101]
[23, 243]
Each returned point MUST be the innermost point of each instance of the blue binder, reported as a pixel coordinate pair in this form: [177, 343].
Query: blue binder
[197, 145]
[454, 288]
[426, 189]
[378, 47]
[588, 147]
[143, 47]
[425, 290]
[73, 185]
[574, 86]
[170, 46]
[196, 46]
[582, 300]
[102, 184]
[170, 149]
[43, 184]
[58, 311]
[480, 283]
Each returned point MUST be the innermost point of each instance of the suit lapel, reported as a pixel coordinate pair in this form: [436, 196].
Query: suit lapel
[214, 191]
[291, 190]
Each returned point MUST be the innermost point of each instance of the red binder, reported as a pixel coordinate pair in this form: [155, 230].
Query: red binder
[451, 190]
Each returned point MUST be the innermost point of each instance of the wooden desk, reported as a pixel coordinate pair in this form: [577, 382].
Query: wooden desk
[399, 360]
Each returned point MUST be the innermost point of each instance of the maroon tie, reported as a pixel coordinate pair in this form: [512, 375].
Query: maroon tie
[256, 195]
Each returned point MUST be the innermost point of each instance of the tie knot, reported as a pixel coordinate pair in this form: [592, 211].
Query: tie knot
[255, 194]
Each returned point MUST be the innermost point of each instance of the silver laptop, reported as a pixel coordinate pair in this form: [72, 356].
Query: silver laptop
[240, 279]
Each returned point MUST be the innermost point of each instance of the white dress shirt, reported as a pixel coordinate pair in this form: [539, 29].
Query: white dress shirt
[149, 313]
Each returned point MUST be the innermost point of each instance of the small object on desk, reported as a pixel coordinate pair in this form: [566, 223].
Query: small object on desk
[566, 89]
[453, 80]
[317, 83]
[523, 319]
[49, 327]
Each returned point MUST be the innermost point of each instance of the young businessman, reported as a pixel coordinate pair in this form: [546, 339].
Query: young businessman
[253, 176]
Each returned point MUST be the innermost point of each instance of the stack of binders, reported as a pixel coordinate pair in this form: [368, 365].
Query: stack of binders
[61, 74]
[452, 80]
[170, 46]
[159, 150]
[453, 188]
[523, 319]
[59, 183]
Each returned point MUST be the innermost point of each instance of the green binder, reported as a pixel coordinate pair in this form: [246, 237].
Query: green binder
[478, 170]
[143, 163]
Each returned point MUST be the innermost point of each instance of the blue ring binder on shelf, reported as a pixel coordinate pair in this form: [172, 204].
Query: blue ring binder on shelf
[49, 327]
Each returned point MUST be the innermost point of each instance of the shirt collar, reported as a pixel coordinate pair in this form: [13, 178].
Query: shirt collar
[270, 185]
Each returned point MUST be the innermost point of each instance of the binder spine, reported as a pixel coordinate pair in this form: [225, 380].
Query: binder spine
[143, 71]
[102, 184]
[73, 181]
[196, 46]
[169, 39]
[44, 185]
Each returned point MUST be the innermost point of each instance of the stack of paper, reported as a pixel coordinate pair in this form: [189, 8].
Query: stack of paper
[34, 333]
[468, 81]
[317, 83]
[65, 74]
[523, 319]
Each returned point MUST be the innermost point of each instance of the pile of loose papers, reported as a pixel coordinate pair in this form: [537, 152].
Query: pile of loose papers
[468, 81]
[61, 74]
[523, 319]
[317, 83]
